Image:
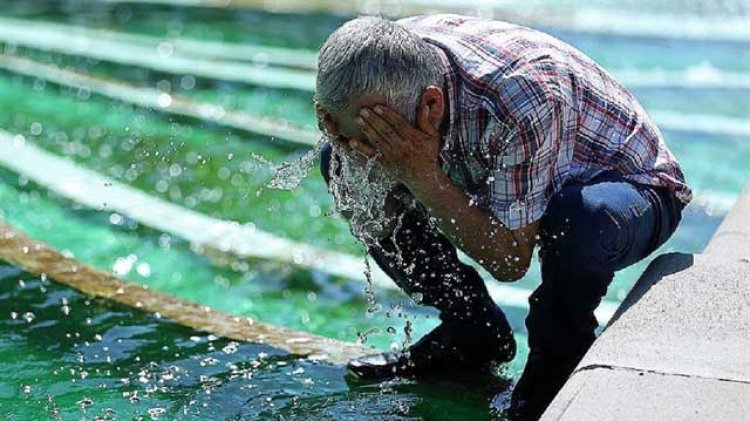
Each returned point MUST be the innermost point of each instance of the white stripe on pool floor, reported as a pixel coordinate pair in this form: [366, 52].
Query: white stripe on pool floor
[96, 191]
[153, 98]
[242, 52]
[76, 41]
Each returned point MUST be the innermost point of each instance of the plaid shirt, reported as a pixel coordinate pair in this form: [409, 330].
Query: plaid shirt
[530, 114]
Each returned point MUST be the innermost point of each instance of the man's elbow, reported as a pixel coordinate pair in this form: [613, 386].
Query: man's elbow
[511, 268]
[512, 274]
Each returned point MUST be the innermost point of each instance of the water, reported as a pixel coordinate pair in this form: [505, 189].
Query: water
[365, 195]
[212, 170]
[101, 359]
[269, 292]
[288, 175]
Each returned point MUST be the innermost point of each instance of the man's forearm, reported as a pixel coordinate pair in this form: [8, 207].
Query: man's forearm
[410, 154]
[475, 231]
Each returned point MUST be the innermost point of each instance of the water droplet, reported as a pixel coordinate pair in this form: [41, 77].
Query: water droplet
[175, 170]
[29, 316]
[164, 100]
[116, 219]
[143, 269]
[209, 361]
[85, 403]
[154, 413]
[230, 348]
[123, 265]
[165, 49]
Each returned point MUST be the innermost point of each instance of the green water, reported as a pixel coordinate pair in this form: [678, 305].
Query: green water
[101, 360]
[270, 292]
[210, 169]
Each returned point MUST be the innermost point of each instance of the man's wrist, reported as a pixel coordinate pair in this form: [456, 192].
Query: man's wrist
[428, 184]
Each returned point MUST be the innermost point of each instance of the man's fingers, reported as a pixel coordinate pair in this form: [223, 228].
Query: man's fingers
[393, 118]
[388, 132]
[378, 139]
[362, 148]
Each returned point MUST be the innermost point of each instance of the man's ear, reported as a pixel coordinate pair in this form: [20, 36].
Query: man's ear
[434, 99]
[325, 122]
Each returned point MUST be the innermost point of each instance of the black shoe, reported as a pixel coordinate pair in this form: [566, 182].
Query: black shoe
[453, 345]
[541, 380]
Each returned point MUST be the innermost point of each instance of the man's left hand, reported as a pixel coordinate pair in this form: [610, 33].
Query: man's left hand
[407, 153]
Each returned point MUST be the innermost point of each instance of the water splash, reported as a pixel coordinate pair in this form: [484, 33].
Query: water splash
[289, 175]
[373, 202]
[366, 195]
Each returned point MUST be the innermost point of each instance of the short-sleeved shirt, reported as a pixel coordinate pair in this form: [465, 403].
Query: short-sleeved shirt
[530, 114]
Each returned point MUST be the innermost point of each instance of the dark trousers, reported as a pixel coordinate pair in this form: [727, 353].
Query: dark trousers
[589, 231]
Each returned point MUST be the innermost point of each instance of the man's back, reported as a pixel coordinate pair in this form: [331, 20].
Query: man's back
[530, 114]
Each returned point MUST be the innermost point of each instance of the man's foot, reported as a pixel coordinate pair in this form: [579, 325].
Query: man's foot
[450, 346]
[541, 380]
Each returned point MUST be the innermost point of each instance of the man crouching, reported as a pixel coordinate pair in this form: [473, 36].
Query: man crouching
[493, 139]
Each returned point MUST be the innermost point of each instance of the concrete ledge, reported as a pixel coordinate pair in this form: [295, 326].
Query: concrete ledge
[679, 345]
[617, 394]
[732, 239]
[678, 341]
[692, 322]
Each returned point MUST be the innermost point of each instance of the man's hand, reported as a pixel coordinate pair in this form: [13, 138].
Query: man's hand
[410, 155]
[407, 153]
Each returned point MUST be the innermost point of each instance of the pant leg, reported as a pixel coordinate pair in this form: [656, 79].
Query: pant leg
[424, 263]
[588, 232]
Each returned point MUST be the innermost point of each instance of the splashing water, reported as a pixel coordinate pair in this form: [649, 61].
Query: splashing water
[289, 175]
[366, 195]
[363, 193]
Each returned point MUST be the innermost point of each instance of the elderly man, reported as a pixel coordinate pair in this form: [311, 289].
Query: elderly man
[504, 138]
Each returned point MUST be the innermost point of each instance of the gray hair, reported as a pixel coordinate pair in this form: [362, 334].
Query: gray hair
[371, 55]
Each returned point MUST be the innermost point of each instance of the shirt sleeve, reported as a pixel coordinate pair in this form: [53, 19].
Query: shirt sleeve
[523, 137]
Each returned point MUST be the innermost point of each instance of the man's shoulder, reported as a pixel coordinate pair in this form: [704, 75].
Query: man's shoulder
[434, 20]
[453, 22]
[482, 42]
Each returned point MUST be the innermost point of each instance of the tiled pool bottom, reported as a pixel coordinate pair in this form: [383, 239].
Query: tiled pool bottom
[65, 356]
